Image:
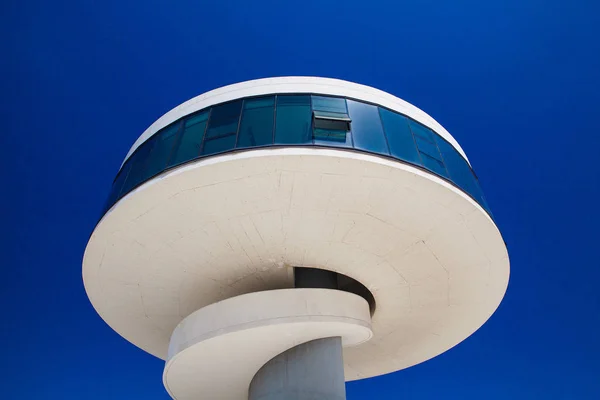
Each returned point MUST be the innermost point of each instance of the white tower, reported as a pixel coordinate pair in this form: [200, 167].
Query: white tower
[273, 238]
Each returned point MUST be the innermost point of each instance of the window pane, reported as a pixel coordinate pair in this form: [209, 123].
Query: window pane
[293, 121]
[163, 145]
[138, 163]
[118, 185]
[331, 115]
[421, 131]
[217, 145]
[428, 148]
[256, 128]
[430, 155]
[331, 122]
[190, 141]
[460, 172]
[399, 136]
[366, 128]
[329, 104]
[222, 128]
[332, 132]
[433, 164]
[332, 137]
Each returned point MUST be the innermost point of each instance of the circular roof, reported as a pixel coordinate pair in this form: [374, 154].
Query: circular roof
[296, 84]
[234, 224]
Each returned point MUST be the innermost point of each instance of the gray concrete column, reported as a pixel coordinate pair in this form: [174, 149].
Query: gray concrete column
[310, 371]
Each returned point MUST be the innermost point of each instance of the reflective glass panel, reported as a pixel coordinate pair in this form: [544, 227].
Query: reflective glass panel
[421, 131]
[433, 164]
[331, 115]
[460, 172]
[138, 164]
[331, 124]
[334, 105]
[293, 120]
[163, 145]
[222, 128]
[367, 131]
[428, 148]
[256, 128]
[118, 184]
[329, 132]
[430, 155]
[190, 140]
[399, 136]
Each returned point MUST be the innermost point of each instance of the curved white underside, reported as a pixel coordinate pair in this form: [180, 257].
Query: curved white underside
[296, 84]
[229, 225]
[217, 350]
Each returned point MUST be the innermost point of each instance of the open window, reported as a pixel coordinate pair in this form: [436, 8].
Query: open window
[330, 128]
[331, 123]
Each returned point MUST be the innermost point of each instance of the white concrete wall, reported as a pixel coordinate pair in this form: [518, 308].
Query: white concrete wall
[310, 371]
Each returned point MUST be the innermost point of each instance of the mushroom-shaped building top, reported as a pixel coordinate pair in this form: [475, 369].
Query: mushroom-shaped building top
[231, 199]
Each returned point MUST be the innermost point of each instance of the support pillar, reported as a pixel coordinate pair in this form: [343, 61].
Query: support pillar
[310, 371]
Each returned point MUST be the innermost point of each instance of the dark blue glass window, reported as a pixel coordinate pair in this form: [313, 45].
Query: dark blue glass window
[329, 132]
[367, 131]
[118, 184]
[331, 124]
[256, 128]
[163, 145]
[433, 164]
[190, 140]
[222, 128]
[332, 105]
[138, 164]
[428, 148]
[430, 154]
[421, 131]
[460, 172]
[399, 137]
[293, 120]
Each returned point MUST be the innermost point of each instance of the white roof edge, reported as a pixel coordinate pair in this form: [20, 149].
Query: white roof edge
[295, 84]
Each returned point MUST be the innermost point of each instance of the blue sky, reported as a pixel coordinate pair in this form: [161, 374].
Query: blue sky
[517, 82]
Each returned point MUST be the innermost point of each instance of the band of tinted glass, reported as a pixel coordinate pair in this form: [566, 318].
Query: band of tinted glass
[295, 120]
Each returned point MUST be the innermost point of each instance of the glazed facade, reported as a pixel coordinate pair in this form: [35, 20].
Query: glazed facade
[284, 120]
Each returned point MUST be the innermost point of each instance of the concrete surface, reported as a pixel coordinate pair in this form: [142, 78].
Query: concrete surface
[310, 371]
